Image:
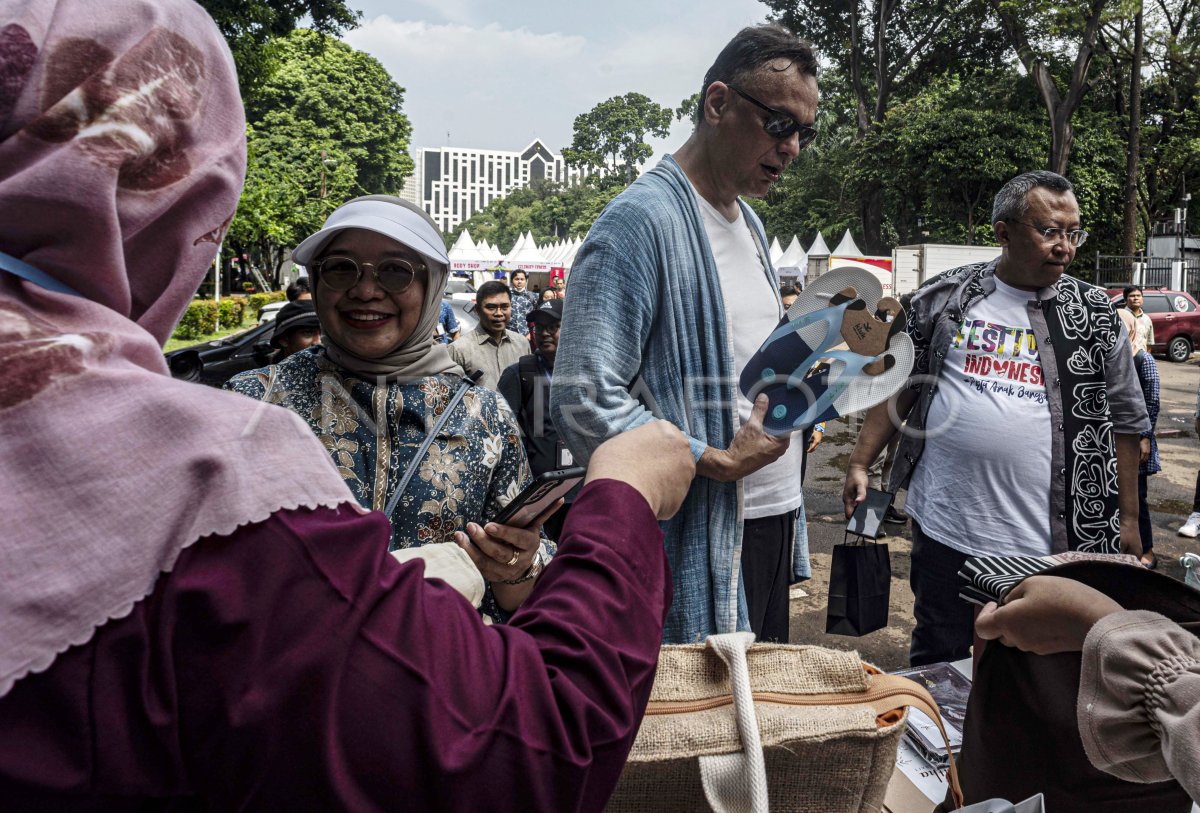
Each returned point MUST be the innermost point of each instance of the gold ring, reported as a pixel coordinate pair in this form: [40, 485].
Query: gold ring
[513, 561]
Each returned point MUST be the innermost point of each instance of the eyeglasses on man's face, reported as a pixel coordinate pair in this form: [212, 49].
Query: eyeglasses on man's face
[340, 273]
[779, 124]
[1051, 234]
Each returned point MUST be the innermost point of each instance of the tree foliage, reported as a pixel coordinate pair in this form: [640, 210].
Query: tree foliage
[1056, 44]
[915, 142]
[250, 26]
[611, 137]
[328, 125]
[349, 97]
[941, 156]
[884, 50]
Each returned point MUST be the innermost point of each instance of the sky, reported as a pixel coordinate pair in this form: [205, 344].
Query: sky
[497, 75]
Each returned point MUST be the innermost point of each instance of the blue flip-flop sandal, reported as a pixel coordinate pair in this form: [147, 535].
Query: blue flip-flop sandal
[782, 367]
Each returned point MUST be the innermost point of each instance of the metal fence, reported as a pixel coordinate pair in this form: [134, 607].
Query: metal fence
[1112, 271]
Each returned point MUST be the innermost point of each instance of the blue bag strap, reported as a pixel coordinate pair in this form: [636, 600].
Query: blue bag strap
[25, 271]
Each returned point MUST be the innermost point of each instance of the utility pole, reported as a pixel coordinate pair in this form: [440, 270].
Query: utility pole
[323, 153]
[1180, 281]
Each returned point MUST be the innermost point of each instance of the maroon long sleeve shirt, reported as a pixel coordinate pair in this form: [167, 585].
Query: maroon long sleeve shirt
[294, 665]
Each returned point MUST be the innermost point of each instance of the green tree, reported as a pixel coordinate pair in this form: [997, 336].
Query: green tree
[1171, 98]
[350, 97]
[611, 137]
[327, 125]
[250, 26]
[944, 154]
[884, 51]
[282, 200]
[1056, 45]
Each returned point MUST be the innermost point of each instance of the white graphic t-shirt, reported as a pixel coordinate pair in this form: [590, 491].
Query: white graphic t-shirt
[982, 485]
[752, 311]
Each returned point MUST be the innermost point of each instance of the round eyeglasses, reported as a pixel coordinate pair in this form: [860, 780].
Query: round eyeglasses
[393, 275]
[1075, 237]
[779, 124]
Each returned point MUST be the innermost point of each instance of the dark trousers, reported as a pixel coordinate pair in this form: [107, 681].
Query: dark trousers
[1145, 529]
[1196, 496]
[945, 623]
[766, 573]
[806, 437]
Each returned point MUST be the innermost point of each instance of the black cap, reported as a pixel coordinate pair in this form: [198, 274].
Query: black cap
[292, 315]
[549, 312]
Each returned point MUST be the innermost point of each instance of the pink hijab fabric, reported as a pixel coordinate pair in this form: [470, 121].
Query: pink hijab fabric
[122, 153]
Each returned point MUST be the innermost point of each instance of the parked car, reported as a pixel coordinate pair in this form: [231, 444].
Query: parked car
[1176, 319]
[459, 289]
[464, 312]
[215, 362]
[269, 311]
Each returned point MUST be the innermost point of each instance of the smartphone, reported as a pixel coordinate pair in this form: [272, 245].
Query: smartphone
[538, 495]
[868, 516]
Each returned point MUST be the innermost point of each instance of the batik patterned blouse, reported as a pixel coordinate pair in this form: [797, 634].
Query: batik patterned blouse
[474, 467]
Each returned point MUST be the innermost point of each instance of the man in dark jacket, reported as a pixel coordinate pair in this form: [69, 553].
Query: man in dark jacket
[526, 387]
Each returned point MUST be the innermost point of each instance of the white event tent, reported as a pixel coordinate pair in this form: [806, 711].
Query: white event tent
[775, 252]
[793, 262]
[847, 247]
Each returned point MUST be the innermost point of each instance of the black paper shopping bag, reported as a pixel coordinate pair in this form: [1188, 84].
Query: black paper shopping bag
[860, 583]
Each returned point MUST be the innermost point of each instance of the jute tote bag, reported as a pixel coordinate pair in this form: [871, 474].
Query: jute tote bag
[734, 728]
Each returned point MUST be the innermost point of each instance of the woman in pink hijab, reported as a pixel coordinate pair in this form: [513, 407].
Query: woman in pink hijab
[193, 609]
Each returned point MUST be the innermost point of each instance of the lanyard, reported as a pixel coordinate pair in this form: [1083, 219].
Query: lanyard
[22, 269]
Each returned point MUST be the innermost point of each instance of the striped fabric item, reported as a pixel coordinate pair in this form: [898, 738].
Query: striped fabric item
[989, 578]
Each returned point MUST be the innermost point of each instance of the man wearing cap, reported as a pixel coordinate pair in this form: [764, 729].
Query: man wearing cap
[526, 387]
[296, 327]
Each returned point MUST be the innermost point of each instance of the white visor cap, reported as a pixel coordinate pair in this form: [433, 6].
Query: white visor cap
[391, 219]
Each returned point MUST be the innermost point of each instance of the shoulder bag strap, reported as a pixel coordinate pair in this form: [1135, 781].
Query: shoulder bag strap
[892, 691]
[468, 380]
[22, 269]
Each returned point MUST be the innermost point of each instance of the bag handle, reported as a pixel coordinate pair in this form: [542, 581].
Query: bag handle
[732, 780]
[737, 783]
[902, 691]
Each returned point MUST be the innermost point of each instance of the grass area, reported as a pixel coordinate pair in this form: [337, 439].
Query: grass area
[175, 344]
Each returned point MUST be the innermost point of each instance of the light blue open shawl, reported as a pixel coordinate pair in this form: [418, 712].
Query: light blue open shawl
[644, 335]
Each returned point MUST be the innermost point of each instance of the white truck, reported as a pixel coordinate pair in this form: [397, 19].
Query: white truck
[913, 265]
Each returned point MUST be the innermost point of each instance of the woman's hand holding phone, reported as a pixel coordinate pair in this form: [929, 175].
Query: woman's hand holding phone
[504, 553]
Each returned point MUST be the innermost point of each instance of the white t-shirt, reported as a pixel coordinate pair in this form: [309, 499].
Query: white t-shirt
[752, 311]
[982, 485]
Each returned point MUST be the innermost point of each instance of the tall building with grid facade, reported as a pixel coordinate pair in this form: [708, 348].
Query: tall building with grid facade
[453, 183]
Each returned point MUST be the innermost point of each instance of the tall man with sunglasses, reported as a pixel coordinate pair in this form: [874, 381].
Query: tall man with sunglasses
[671, 294]
[1024, 413]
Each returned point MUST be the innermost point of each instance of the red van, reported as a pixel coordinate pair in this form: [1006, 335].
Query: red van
[1176, 319]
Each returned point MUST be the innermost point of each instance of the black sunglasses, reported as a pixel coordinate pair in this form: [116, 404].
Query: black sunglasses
[779, 124]
[343, 273]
